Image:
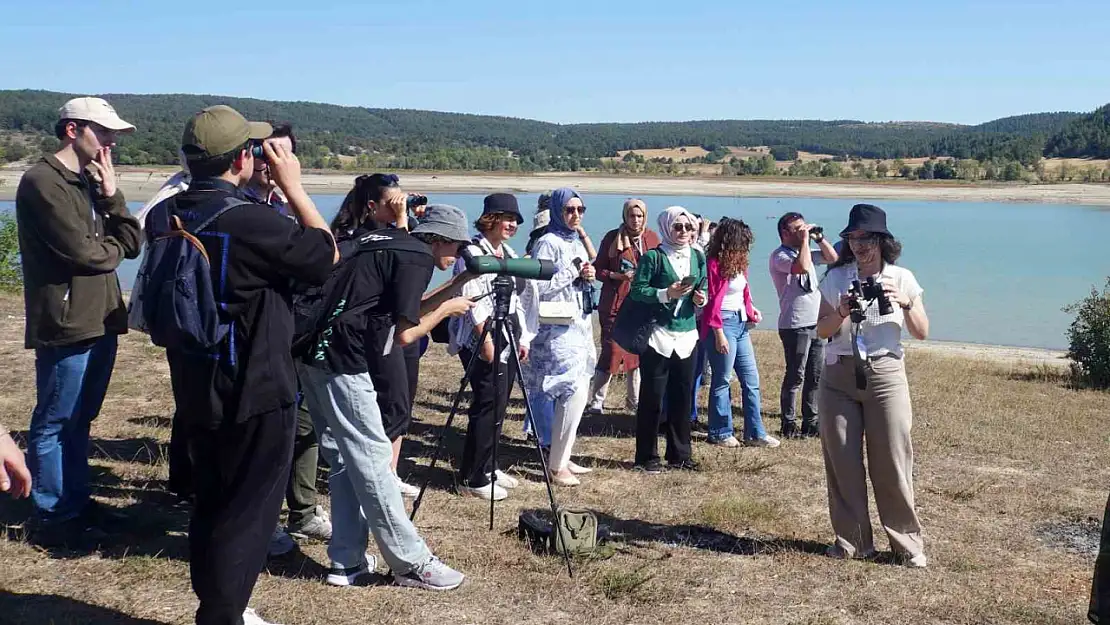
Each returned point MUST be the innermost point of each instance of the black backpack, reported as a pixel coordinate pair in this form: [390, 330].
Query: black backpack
[317, 309]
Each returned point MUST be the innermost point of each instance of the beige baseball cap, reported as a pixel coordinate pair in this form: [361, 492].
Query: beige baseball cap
[94, 110]
[218, 130]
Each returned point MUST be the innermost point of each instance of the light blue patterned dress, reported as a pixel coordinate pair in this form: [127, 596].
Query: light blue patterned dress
[562, 357]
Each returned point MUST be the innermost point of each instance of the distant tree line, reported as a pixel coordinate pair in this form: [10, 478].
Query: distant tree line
[341, 137]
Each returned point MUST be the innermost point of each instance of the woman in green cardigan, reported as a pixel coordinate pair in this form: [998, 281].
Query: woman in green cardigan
[672, 279]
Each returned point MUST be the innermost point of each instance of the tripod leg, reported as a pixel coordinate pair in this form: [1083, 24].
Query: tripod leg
[513, 354]
[499, 406]
[447, 426]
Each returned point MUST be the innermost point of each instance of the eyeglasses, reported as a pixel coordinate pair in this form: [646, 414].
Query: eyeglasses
[581, 210]
[683, 228]
[868, 238]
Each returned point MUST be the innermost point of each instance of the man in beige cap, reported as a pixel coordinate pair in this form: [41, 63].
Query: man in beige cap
[237, 407]
[74, 231]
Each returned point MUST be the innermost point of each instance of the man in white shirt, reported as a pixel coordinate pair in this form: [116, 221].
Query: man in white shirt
[795, 276]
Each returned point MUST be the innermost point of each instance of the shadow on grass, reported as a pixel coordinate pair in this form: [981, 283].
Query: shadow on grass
[637, 532]
[58, 610]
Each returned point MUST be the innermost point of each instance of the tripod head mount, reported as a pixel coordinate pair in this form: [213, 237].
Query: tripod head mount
[503, 287]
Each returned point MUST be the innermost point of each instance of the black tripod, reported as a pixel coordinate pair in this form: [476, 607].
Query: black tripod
[497, 324]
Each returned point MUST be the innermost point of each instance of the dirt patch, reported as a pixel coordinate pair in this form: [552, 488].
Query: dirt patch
[1079, 537]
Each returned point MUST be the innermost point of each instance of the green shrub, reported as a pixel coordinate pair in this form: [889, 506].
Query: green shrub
[11, 271]
[1089, 337]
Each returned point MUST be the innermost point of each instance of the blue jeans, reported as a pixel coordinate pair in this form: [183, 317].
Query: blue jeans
[365, 498]
[700, 357]
[741, 359]
[71, 382]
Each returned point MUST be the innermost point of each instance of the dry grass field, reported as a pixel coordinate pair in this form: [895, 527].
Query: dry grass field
[1011, 469]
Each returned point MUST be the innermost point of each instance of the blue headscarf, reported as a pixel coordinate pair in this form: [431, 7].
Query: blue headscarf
[559, 199]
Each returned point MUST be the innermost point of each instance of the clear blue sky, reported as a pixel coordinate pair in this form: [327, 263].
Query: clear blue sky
[574, 61]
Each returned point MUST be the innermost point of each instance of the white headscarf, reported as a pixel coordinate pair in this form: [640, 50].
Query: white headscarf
[666, 229]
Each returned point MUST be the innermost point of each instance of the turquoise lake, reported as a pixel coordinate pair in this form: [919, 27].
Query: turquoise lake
[992, 273]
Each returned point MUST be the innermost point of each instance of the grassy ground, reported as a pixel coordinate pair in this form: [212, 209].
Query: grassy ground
[1006, 456]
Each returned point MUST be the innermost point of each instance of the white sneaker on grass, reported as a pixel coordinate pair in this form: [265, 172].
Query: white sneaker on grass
[319, 528]
[407, 490]
[918, 562]
[432, 575]
[250, 617]
[766, 441]
[505, 480]
[482, 492]
[339, 576]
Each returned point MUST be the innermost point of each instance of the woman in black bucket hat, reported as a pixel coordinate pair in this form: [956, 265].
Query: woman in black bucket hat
[864, 397]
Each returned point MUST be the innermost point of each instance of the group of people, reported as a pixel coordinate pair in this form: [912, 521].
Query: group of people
[246, 410]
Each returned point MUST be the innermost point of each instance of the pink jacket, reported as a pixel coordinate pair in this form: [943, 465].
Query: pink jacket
[718, 287]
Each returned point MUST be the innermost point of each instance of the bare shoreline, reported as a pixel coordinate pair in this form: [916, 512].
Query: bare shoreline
[141, 184]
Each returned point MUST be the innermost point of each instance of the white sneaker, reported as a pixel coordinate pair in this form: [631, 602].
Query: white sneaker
[319, 528]
[432, 575]
[482, 492]
[505, 480]
[725, 442]
[766, 441]
[918, 562]
[280, 543]
[349, 577]
[407, 490]
[250, 617]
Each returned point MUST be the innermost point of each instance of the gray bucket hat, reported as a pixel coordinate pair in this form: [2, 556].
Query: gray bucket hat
[445, 221]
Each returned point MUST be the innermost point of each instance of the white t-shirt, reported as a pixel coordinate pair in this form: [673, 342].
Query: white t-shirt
[880, 334]
[734, 296]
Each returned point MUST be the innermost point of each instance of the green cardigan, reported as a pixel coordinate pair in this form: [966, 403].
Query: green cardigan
[655, 272]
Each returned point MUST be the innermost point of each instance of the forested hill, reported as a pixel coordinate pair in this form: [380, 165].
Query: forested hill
[1088, 136]
[410, 138]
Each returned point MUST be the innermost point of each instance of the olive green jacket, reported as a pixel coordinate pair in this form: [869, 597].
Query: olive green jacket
[71, 240]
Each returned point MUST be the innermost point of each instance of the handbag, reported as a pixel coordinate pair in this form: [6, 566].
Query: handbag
[634, 324]
[579, 528]
[558, 313]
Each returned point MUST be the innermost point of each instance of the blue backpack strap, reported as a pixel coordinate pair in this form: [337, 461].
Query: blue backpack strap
[227, 203]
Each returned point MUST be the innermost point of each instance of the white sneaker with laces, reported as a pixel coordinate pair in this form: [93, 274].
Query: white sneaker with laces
[280, 543]
[482, 492]
[339, 576]
[505, 480]
[432, 575]
[250, 617]
[766, 441]
[407, 490]
[319, 528]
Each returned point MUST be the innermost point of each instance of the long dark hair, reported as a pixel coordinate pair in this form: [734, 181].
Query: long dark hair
[352, 213]
[731, 244]
[889, 248]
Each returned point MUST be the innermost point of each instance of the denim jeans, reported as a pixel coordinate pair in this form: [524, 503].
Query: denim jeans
[701, 358]
[364, 493]
[741, 359]
[71, 382]
[543, 411]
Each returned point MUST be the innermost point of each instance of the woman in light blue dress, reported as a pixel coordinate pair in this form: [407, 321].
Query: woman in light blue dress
[563, 353]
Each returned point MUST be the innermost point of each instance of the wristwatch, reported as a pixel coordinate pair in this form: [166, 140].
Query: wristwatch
[907, 308]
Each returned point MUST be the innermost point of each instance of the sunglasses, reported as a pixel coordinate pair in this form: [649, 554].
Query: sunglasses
[581, 210]
[683, 228]
[865, 238]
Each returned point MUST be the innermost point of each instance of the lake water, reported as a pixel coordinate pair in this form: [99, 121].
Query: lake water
[992, 273]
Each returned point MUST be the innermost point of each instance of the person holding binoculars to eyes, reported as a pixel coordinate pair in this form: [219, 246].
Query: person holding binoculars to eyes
[794, 273]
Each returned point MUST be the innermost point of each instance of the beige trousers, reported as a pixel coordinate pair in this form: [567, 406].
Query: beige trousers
[881, 417]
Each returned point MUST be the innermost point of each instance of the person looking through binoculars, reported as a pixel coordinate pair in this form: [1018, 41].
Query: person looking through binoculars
[866, 300]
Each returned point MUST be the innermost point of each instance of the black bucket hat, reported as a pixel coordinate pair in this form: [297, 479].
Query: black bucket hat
[502, 203]
[868, 218]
